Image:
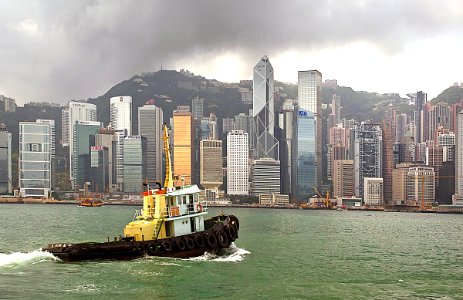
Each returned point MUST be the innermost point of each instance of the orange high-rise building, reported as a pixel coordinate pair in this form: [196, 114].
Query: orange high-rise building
[183, 147]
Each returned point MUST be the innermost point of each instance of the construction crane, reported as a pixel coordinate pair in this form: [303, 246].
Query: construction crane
[327, 201]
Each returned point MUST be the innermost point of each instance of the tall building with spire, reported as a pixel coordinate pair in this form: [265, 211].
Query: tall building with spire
[266, 145]
[310, 100]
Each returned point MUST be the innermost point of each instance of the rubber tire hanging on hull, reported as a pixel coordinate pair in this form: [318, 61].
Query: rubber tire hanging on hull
[152, 249]
[232, 232]
[222, 239]
[189, 243]
[211, 240]
[167, 245]
[180, 244]
[199, 240]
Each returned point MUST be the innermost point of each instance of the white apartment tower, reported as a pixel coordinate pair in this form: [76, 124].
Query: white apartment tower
[120, 119]
[237, 163]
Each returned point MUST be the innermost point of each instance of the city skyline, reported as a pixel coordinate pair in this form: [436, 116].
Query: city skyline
[351, 42]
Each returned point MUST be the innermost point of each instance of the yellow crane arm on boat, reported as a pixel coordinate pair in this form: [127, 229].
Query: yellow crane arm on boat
[169, 181]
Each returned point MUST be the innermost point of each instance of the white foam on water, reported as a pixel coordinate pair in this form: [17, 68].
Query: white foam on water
[231, 254]
[18, 258]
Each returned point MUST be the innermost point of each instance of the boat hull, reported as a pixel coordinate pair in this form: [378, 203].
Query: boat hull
[222, 231]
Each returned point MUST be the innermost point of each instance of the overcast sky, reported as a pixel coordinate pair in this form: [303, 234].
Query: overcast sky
[61, 50]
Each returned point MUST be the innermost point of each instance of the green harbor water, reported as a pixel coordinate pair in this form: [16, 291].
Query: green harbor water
[280, 254]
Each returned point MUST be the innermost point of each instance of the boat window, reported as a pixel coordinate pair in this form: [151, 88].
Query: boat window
[187, 198]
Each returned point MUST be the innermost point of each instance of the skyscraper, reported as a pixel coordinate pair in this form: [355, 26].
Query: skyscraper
[74, 112]
[84, 131]
[5, 162]
[134, 152]
[265, 176]
[34, 162]
[237, 163]
[459, 158]
[197, 108]
[211, 174]
[106, 138]
[306, 166]
[368, 146]
[120, 119]
[420, 100]
[263, 110]
[288, 146]
[150, 120]
[183, 147]
[343, 178]
[310, 100]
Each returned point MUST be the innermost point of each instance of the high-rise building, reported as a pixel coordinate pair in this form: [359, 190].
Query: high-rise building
[211, 174]
[373, 191]
[183, 149]
[266, 145]
[227, 124]
[399, 182]
[288, 148]
[197, 108]
[343, 178]
[421, 185]
[368, 146]
[98, 170]
[6, 186]
[265, 176]
[84, 132]
[459, 157]
[106, 138]
[150, 120]
[388, 156]
[237, 163]
[420, 100]
[439, 115]
[310, 99]
[53, 133]
[306, 166]
[134, 152]
[7, 104]
[401, 122]
[120, 118]
[245, 122]
[74, 112]
[34, 164]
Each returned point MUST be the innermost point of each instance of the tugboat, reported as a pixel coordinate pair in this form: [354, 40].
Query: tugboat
[172, 223]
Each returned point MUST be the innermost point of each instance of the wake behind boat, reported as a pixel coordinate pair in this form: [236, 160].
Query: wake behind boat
[172, 223]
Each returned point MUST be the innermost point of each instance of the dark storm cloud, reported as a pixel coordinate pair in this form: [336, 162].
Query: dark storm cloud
[60, 50]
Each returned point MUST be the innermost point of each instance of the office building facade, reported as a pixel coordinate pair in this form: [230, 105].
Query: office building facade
[266, 145]
[183, 148]
[237, 163]
[34, 163]
[134, 152]
[310, 99]
[120, 118]
[6, 177]
[150, 120]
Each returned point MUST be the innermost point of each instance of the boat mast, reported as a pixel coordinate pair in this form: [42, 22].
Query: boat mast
[169, 181]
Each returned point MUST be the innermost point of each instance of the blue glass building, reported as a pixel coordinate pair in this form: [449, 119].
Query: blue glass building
[306, 175]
